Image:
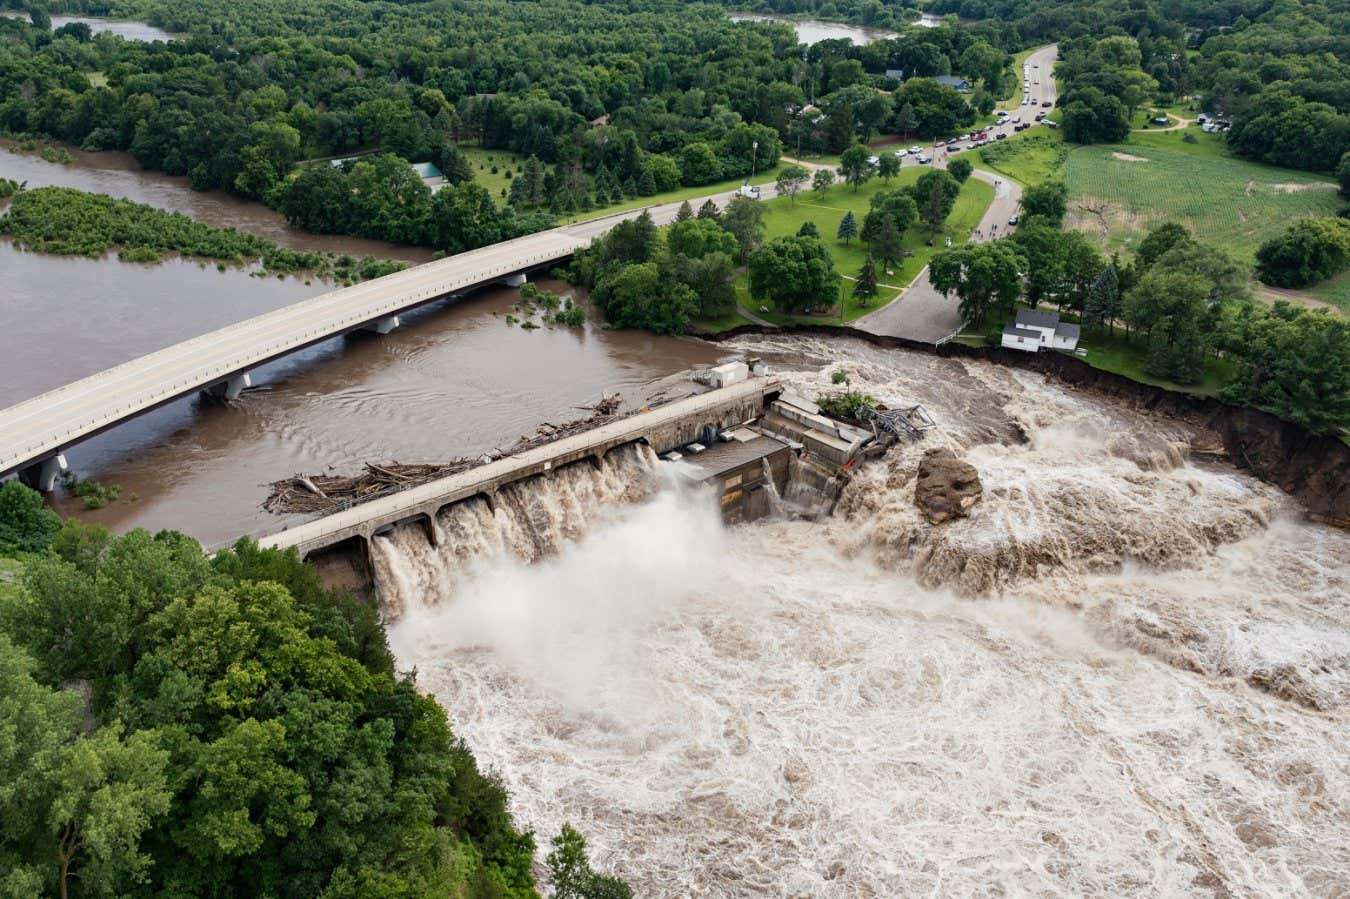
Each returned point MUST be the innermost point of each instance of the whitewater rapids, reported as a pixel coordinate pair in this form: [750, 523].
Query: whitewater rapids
[1126, 674]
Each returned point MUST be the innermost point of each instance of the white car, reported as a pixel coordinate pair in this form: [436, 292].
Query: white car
[901, 152]
[873, 160]
[915, 151]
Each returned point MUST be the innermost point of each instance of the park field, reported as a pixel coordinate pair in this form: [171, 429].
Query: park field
[1118, 192]
[490, 169]
[786, 216]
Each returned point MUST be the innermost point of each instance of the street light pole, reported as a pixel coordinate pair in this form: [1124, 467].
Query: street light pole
[754, 158]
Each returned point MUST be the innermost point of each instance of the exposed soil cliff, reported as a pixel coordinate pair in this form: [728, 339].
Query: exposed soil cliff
[1313, 468]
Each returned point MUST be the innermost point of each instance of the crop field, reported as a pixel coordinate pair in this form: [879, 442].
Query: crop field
[1119, 192]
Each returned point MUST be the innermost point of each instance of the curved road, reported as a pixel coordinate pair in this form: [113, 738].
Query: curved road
[922, 312]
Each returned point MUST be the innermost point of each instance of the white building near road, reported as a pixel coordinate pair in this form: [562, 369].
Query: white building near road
[1033, 329]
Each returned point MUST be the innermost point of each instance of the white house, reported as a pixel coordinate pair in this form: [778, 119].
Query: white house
[1033, 329]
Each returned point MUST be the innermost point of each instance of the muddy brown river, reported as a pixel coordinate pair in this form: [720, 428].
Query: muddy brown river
[455, 380]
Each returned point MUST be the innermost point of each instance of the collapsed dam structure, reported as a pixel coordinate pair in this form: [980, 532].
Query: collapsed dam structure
[760, 452]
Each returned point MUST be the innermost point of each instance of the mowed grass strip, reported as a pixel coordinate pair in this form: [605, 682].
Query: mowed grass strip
[1119, 192]
[785, 218]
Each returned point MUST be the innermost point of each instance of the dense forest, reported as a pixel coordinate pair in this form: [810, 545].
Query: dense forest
[605, 100]
[177, 724]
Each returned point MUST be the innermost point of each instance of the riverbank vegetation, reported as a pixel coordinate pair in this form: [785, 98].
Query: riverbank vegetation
[579, 106]
[188, 725]
[70, 222]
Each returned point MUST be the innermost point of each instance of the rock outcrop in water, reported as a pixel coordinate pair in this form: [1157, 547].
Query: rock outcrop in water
[946, 486]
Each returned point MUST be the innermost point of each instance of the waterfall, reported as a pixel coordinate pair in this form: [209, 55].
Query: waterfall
[531, 518]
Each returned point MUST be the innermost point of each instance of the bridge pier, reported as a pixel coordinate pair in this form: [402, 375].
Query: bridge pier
[382, 325]
[42, 476]
[515, 280]
[229, 389]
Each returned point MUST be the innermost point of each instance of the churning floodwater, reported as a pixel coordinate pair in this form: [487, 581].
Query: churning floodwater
[1127, 673]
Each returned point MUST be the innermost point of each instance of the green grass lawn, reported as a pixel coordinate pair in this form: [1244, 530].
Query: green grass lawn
[1119, 354]
[674, 196]
[1334, 290]
[483, 163]
[785, 218]
[1028, 158]
[1118, 192]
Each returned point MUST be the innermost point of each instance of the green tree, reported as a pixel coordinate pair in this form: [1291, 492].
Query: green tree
[744, 219]
[641, 295]
[848, 228]
[1309, 250]
[107, 792]
[791, 179]
[1159, 240]
[887, 243]
[822, 180]
[1343, 174]
[960, 168]
[866, 285]
[1048, 199]
[26, 524]
[1103, 302]
[1169, 307]
[794, 273]
[905, 120]
[854, 167]
[985, 276]
[709, 211]
[897, 204]
[888, 166]
[696, 238]
[699, 164]
[685, 212]
[808, 229]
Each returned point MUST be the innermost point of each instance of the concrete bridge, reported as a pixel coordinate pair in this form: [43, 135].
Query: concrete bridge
[35, 433]
[664, 428]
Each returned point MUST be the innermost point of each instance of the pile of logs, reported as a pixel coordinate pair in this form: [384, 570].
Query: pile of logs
[324, 494]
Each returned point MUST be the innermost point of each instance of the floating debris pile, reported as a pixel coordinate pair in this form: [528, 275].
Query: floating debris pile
[325, 494]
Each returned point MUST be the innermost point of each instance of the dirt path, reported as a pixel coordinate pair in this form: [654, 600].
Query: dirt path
[1179, 120]
[1296, 297]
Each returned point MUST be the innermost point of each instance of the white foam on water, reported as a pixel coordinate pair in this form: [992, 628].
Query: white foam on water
[1123, 675]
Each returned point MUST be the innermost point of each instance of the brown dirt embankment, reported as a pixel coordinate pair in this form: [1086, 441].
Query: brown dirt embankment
[1313, 468]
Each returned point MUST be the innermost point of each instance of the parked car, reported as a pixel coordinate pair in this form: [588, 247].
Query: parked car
[1001, 135]
[1046, 104]
[901, 152]
[749, 190]
[873, 161]
[915, 151]
[1012, 220]
[924, 160]
[1052, 123]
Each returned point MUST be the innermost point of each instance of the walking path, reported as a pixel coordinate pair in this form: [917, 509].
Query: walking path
[923, 312]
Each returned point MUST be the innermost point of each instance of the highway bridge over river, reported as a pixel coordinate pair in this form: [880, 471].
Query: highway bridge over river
[35, 433]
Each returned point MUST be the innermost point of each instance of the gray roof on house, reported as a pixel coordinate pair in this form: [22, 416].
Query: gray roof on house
[953, 81]
[1014, 331]
[1035, 318]
[1068, 331]
[897, 74]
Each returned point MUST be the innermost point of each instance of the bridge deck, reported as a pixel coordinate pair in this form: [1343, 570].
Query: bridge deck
[45, 425]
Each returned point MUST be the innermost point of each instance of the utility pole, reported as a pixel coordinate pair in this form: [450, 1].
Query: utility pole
[754, 158]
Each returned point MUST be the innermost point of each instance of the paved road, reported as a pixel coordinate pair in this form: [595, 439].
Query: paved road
[922, 312]
[46, 424]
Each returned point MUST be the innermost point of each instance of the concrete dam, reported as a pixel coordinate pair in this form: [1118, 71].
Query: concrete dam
[753, 448]
[756, 450]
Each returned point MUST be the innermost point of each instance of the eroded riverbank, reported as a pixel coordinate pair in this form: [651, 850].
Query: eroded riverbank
[1150, 699]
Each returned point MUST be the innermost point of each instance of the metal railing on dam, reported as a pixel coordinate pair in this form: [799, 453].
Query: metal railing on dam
[674, 424]
[35, 432]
